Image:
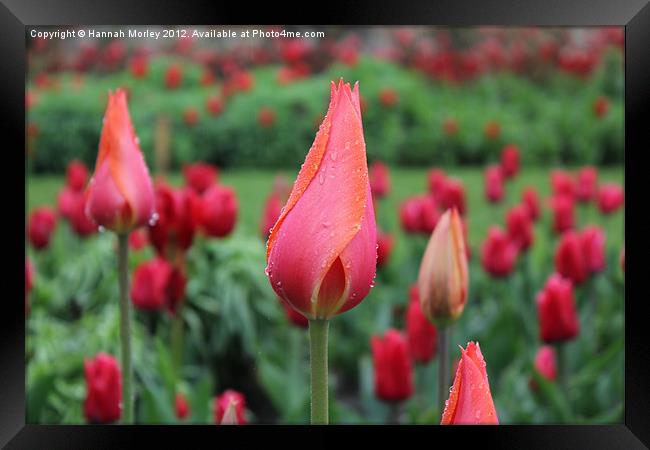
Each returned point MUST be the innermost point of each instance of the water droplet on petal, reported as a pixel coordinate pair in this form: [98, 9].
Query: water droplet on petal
[333, 156]
[153, 219]
[101, 229]
[321, 178]
[327, 223]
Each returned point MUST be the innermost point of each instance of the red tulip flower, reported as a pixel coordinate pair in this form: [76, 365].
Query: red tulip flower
[610, 198]
[563, 213]
[137, 240]
[191, 116]
[218, 211]
[322, 253]
[531, 201]
[510, 160]
[103, 389]
[214, 105]
[42, 222]
[200, 176]
[120, 195]
[173, 76]
[266, 117]
[563, 184]
[65, 201]
[182, 407]
[494, 184]
[470, 401]
[419, 214]
[453, 196]
[385, 244]
[600, 106]
[294, 316]
[421, 334]
[498, 253]
[570, 258]
[520, 227]
[76, 176]
[492, 130]
[437, 180]
[208, 78]
[545, 364]
[388, 97]
[558, 319]
[157, 284]
[224, 401]
[139, 66]
[379, 179]
[393, 367]
[587, 185]
[81, 224]
[178, 214]
[592, 239]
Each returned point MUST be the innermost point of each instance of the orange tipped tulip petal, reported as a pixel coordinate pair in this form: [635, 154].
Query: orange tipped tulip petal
[322, 253]
[121, 192]
[443, 278]
[470, 401]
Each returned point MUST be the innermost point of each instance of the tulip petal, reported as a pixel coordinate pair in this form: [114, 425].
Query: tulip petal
[326, 214]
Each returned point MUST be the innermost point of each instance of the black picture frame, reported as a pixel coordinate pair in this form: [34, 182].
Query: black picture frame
[15, 15]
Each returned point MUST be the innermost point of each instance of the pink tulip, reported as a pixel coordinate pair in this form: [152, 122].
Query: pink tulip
[322, 251]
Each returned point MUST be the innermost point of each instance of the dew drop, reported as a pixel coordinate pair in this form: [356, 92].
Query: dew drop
[279, 284]
[101, 229]
[321, 178]
[154, 219]
[333, 156]
[327, 223]
[477, 414]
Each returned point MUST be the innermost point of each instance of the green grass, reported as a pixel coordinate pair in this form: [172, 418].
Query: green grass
[252, 187]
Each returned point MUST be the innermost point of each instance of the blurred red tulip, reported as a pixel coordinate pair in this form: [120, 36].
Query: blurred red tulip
[494, 184]
[191, 116]
[492, 130]
[531, 201]
[421, 334]
[379, 179]
[545, 364]
[81, 224]
[331, 197]
[437, 180]
[419, 214]
[592, 240]
[453, 196]
[218, 211]
[266, 117]
[558, 319]
[120, 195]
[208, 78]
[157, 284]
[137, 240]
[470, 401]
[76, 175]
[103, 389]
[214, 105]
[610, 198]
[178, 214]
[182, 407]
[222, 402]
[173, 76]
[65, 202]
[200, 176]
[510, 160]
[587, 185]
[140, 66]
[114, 54]
[393, 367]
[385, 244]
[562, 183]
[570, 258]
[294, 316]
[520, 226]
[601, 106]
[450, 126]
[563, 213]
[272, 210]
[498, 253]
[42, 222]
[388, 97]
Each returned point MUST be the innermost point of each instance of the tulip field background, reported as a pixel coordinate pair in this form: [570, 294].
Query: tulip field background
[557, 94]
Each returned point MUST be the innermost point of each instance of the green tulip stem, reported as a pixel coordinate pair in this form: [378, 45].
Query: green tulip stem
[443, 366]
[125, 328]
[318, 359]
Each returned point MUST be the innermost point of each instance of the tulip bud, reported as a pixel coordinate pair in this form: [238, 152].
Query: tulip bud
[41, 224]
[453, 196]
[81, 224]
[419, 214]
[563, 213]
[531, 201]
[120, 195]
[587, 184]
[558, 319]
[103, 389]
[76, 176]
[393, 369]
[182, 407]
[173, 76]
[498, 253]
[592, 240]
[545, 362]
[437, 180]
[443, 278]
[610, 198]
[178, 215]
[218, 211]
[422, 335]
[322, 252]
[234, 399]
[562, 184]
[200, 176]
[379, 179]
[470, 401]
[137, 240]
[570, 258]
[520, 227]
[510, 160]
[157, 283]
[494, 184]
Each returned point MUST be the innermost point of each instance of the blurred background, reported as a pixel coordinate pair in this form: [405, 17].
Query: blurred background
[445, 101]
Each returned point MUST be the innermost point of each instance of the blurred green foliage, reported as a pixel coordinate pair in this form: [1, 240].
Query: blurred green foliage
[540, 117]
